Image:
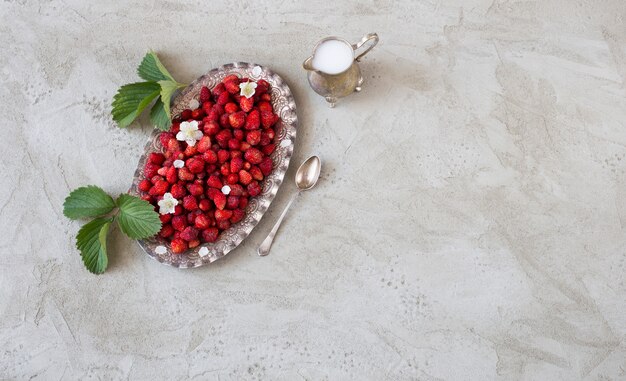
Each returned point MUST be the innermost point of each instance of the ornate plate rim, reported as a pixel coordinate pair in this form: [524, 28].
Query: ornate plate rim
[285, 106]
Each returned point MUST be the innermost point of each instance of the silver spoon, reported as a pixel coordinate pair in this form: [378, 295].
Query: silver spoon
[306, 178]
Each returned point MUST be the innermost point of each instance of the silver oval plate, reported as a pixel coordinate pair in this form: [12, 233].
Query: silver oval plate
[285, 106]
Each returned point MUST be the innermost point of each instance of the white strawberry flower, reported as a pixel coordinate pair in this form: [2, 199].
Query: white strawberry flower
[160, 250]
[257, 71]
[189, 132]
[179, 163]
[226, 190]
[168, 204]
[247, 89]
[194, 104]
[203, 252]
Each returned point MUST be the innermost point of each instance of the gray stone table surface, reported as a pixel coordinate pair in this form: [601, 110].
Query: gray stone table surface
[468, 225]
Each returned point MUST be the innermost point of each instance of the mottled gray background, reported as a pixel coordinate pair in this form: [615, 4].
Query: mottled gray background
[469, 224]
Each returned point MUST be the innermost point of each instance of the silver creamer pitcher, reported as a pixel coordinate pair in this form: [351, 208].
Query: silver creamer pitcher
[335, 86]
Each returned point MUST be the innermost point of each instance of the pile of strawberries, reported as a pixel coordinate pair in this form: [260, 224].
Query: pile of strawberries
[238, 137]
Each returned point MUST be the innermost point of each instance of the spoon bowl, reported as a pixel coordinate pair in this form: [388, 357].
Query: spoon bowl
[308, 173]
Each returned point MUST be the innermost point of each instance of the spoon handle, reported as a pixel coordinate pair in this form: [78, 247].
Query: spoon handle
[264, 249]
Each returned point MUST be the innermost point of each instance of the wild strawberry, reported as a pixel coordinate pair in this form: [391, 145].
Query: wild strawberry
[202, 222]
[224, 121]
[232, 202]
[194, 165]
[221, 215]
[254, 189]
[162, 171]
[204, 205]
[172, 175]
[239, 134]
[238, 215]
[207, 106]
[178, 191]
[212, 116]
[189, 233]
[165, 218]
[211, 168]
[253, 137]
[219, 89]
[253, 155]
[223, 155]
[150, 170]
[165, 137]
[253, 120]
[266, 166]
[269, 132]
[219, 199]
[204, 144]
[190, 151]
[236, 154]
[237, 119]
[256, 173]
[194, 243]
[186, 114]
[179, 222]
[147, 197]
[144, 185]
[268, 149]
[246, 104]
[159, 188]
[223, 137]
[211, 193]
[197, 114]
[232, 86]
[265, 106]
[178, 210]
[223, 225]
[175, 127]
[243, 202]
[265, 97]
[236, 164]
[190, 203]
[231, 77]
[191, 216]
[195, 189]
[245, 146]
[185, 174]
[156, 158]
[205, 94]
[223, 98]
[245, 177]
[178, 246]
[225, 169]
[262, 87]
[210, 234]
[247, 165]
[166, 231]
[268, 119]
[233, 178]
[211, 127]
[231, 107]
[236, 190]
[234, 144]
[209, 157]
[214, 182]
[219, 109]
[173, 145]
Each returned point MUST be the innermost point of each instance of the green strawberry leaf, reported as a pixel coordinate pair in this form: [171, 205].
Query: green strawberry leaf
[131, 100]
[168, 88]
[89, 201]
[137, 217]
[159, 117]
[91, 241]
[151, 69]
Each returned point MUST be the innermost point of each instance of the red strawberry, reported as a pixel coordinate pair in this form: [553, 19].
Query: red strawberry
[253, 155]
[243, 202]
[231, 77]
[156, 158]
[231, 107]
[190, 151]
[262, 87]
[233, 178]
[246, 104]
[185, 174]
[204, 205]
[254, 189]
[223, 155]
[189, 234]
[234, 144]
[245, 146]
[212, 192]
[268, 149]
[159, 188]
[150, 170]
[186, 114]
[144, 185]
[211, 127]
[202, 222]
[268, 119]
[253, 120]
[223, 224]
[225, 169]
[165, 218]
[266, 166]
[212, 116]
[269, 132]
[165, 137]
[236, 190]
[172, 175]
[223, 98]
[247, 165]
[191, 216]
[197, 114]
[224, 121]
[236, 164]
[256, 173]
[194, 243]
[179, 222]
[239, 134]
[245, 177]
[194, 165]
[232, 202]
[162, 171]
[214, 182]
[265, 106]
[207, 106]
[204, 144]
[221, 215]
[223, 137]
[232, 86]
[210, 234]
[219, 89]
[205, 94]
[253, 137]
[219, 199]
[210, 157]
[178, 210]
[178, 191]
[266, 97]
[238, 215]
[178, 246]
[195, 189]
[147, 197]
[166, 231]
[190, 203]
[237, 119]
[175, 127]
